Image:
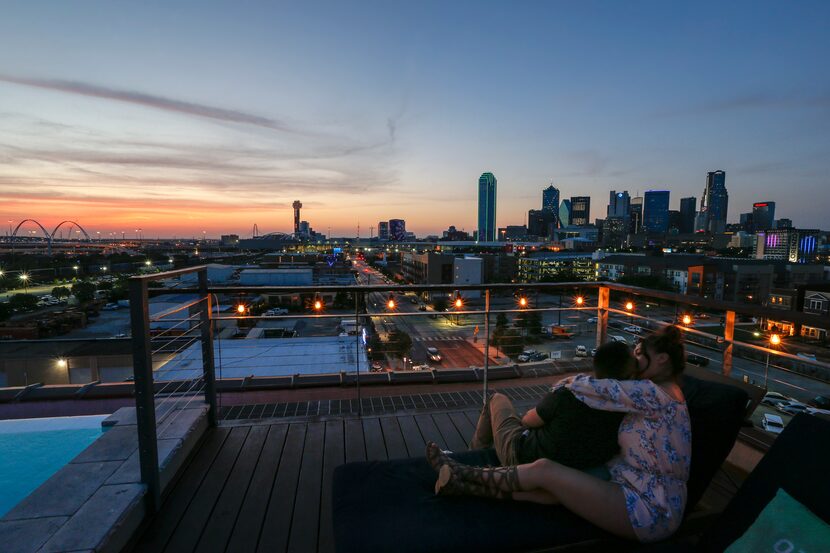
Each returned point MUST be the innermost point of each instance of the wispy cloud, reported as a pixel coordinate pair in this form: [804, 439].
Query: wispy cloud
[754, 100]
[153, 101]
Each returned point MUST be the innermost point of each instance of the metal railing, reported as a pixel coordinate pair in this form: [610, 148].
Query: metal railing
[176, 344]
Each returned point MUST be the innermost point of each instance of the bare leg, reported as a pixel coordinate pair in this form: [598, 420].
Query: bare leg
[598, 501]
[483, 436]
[541, 496]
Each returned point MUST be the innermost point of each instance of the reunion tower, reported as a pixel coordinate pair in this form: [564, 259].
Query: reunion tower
[297, 205]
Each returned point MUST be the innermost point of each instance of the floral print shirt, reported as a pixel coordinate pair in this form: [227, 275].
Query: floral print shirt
[655, 441]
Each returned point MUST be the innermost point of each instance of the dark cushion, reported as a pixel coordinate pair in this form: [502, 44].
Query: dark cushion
[391, 505]
[796, 462]
[716, 411]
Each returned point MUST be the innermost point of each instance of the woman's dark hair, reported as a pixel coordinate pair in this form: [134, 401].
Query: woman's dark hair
[669, 341]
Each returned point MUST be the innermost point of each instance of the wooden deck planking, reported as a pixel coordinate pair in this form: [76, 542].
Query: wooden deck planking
[252, 512]
[355, 446]
[195, 518]
[159, 530]
[333, 456]
[411, 435]
[375, 448]
[277, 523]
[429, 431]
[452, 437]
[268, 487]
[392, 436]
[306, 518]
[220, 525]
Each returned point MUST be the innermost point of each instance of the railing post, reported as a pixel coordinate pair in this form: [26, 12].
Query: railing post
[486, 343]
[728, 336]
[209, 371]
[358, 335]
[144, 400]
[603, 301]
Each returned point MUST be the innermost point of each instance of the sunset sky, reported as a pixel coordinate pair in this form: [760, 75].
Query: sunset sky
[213, 116]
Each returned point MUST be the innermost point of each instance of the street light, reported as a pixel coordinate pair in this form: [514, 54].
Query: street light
[63, 363]
[579, 301]
[240, 309]
[390, 304]
[774, 341]
[629, 306]
[25, 278]
[687, 320]
[522, 302]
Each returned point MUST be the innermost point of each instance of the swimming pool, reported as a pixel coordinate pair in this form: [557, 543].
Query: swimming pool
[32, 450]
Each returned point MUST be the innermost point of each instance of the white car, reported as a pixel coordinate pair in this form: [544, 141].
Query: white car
[591, 320]
[634, 329]
[791, 407]
[581, 351]
[772, 423]
[617, 338]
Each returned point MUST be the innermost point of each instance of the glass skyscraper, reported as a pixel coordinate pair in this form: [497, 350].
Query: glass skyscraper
[550, 199]
[619, 204]
[763, 216]
[715, 202]
[656, 211]
[688, 207]
[564, 213]
[487, 208]
[580, 210]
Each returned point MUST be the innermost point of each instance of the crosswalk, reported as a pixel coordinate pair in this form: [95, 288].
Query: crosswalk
[438, 338]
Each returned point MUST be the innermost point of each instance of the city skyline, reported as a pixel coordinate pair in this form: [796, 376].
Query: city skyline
[207, 117]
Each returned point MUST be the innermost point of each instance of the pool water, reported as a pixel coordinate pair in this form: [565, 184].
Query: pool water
[32, 450]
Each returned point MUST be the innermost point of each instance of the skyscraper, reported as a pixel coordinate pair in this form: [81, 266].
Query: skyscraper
[688, 207]
[383, 230]
[541, 223]
[619, 204]
[580, 210]
[297, 205]
[763, 216]
[397, 229]
[487, 208]
[635, 214]
[550, 199]
[715, 202]
[565, 214]
[656, 211]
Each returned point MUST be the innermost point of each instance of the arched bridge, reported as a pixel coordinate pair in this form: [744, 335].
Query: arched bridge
[49, 236]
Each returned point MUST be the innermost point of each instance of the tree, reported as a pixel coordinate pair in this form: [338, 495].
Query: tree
[399, 344]
[509, 340]
[84, 291]
[5, 311]
[501, 321]
[23, 302]
[61, 292]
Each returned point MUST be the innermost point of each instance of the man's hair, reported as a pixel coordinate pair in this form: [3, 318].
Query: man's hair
[613, 360]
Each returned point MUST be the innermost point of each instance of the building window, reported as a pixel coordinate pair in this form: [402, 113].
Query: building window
[816, 305]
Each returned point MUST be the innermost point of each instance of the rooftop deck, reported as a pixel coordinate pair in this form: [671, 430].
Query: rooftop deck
[267, 486]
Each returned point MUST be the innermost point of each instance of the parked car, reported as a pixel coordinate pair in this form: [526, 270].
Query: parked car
[634, 329]
[772, 423]
[791, 407]
[617, 338]
[525, 356]
[556, 331]
[581, 351]
[593, 352]
[591, 320]
[539, 356]
[696, 359]
[821, 402]
[774, 398]
[434, 354]
[810, 356]
[422, 367]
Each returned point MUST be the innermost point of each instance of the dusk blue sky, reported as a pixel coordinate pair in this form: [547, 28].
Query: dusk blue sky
[215, 116]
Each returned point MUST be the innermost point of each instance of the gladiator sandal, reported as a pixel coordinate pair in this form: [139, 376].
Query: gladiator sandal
[437, 457]
[496, 483]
